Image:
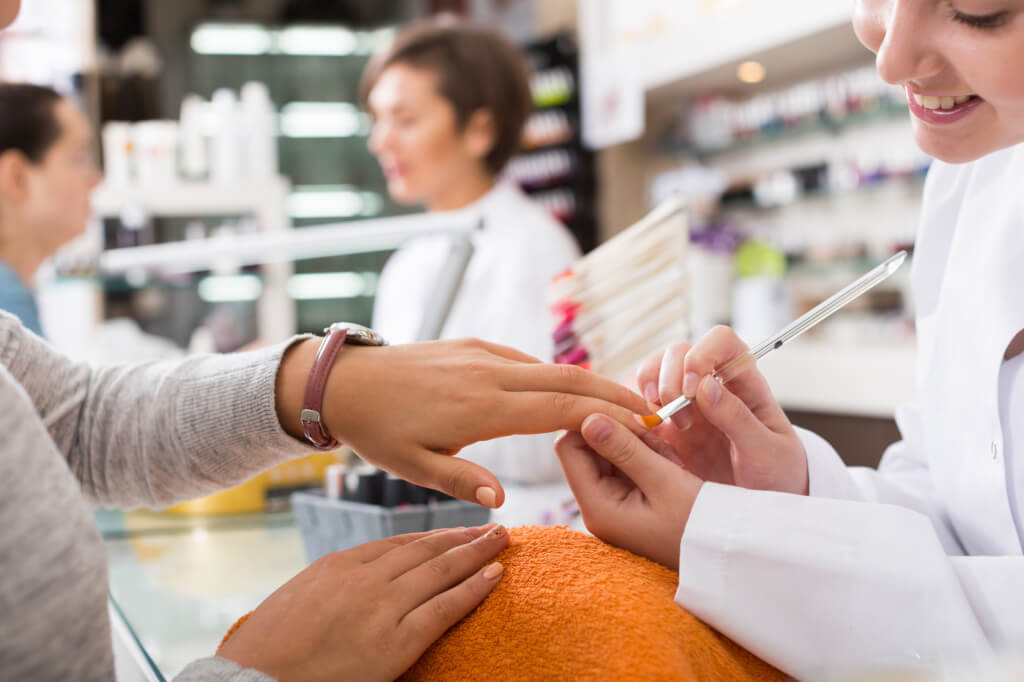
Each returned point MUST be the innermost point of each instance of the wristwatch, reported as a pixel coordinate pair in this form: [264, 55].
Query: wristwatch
[335, 336]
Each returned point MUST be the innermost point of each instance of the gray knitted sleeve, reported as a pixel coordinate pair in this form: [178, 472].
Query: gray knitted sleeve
[215, 669]
[156, 433]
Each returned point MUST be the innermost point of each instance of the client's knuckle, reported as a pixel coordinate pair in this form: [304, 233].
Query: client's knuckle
[443, 610]
[569, 374]
[563, 403]
[440, 571]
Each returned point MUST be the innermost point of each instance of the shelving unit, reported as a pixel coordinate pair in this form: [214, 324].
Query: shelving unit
[363, 236]
[822, 124]
[265, 201]
[559, 172]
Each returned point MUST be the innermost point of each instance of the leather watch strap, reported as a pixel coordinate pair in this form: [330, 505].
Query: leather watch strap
[312, 402]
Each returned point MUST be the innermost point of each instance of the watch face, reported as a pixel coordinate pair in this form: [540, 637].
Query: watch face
[359, 335]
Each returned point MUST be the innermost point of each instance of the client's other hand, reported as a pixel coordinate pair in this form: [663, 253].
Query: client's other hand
[369, 612]
[632, 493]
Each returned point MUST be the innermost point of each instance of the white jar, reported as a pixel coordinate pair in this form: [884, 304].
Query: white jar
[195, 164]
[156, 152]
[225, 157]
[117, 153]
[761, 306]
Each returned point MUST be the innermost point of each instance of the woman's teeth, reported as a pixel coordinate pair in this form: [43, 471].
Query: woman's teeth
[930, 102]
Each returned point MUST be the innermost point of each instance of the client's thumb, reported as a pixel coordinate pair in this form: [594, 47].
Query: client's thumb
[617, 444]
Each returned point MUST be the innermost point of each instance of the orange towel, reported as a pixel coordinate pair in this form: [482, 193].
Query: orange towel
[570, 607]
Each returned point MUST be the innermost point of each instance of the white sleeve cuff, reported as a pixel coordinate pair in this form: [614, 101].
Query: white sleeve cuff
[827, 474]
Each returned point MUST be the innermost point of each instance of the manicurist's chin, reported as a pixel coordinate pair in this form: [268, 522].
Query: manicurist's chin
[8, 12]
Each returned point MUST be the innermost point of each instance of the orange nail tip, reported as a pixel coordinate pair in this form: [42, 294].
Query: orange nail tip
[649, 421]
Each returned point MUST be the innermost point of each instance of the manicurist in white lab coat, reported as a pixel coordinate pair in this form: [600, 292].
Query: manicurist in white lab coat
[449, 101]
[827, 571]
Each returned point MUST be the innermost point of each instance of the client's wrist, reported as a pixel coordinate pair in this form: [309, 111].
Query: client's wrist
[292, 376]
[319, 384]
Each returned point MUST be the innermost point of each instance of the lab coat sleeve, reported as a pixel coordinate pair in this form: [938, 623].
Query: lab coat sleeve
[902, 478]
[152, 434]
[825, 588]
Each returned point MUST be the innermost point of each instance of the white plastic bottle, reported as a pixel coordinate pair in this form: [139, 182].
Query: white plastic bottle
[118, 160]
[195, 163]
[225, 158]
[259, 126]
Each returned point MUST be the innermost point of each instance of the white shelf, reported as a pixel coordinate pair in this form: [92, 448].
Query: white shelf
[192, 199]
[363, 236]
[672, 49]
[264, 200]
[863, 380]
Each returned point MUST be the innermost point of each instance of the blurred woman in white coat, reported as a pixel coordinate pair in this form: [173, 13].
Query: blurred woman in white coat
[833, 572]
[449, 101]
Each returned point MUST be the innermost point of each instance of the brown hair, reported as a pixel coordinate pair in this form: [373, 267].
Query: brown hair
[28, 119]
[477, 68]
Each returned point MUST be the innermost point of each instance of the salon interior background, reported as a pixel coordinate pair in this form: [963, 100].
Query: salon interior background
[797, 160]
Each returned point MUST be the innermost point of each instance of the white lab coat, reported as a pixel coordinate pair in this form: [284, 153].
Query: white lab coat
[502, 299]
[917, 564]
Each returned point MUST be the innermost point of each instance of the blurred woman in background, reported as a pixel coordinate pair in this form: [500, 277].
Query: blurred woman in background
[449, 101]
[46, 176]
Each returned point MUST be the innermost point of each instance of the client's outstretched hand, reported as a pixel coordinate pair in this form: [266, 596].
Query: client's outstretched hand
[632, 493]
[368, 613]
[408, 408]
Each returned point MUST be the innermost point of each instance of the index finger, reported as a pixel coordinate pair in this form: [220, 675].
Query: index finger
[524, 412]
[570, 380]
[370, 551]
[718, 347]
[713, 350]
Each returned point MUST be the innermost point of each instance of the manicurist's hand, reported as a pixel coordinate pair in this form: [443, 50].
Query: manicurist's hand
[370, 612]
[632, 493]
[736, 433]
[408, 408]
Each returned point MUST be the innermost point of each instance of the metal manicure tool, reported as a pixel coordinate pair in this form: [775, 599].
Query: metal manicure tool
[744, 361]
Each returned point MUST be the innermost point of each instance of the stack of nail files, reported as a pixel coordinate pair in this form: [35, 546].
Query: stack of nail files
[627, 298]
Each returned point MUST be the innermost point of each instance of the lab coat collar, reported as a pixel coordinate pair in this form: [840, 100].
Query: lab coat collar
[505, 195]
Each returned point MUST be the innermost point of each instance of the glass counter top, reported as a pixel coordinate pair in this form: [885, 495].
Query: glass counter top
[182, 581]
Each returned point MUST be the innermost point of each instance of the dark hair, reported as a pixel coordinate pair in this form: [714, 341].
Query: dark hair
[477, 67]
[28, 119]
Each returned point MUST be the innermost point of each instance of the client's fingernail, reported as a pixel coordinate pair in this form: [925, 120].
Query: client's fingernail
[651, 393]
[712, 390]
[497, 531]
[493, 571]
[597, 430]
[486, 496]
[477, 531]
[690, 381]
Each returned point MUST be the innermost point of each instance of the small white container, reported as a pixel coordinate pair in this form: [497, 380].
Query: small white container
[761, 306]
[195, 161]
[156, 153]
[118, 154]
[225, 149]
[259, 125]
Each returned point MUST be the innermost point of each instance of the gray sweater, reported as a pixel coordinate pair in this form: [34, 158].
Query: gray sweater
[74, 435]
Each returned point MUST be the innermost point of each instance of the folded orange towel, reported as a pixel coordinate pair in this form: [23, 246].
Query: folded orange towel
[570, 607]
